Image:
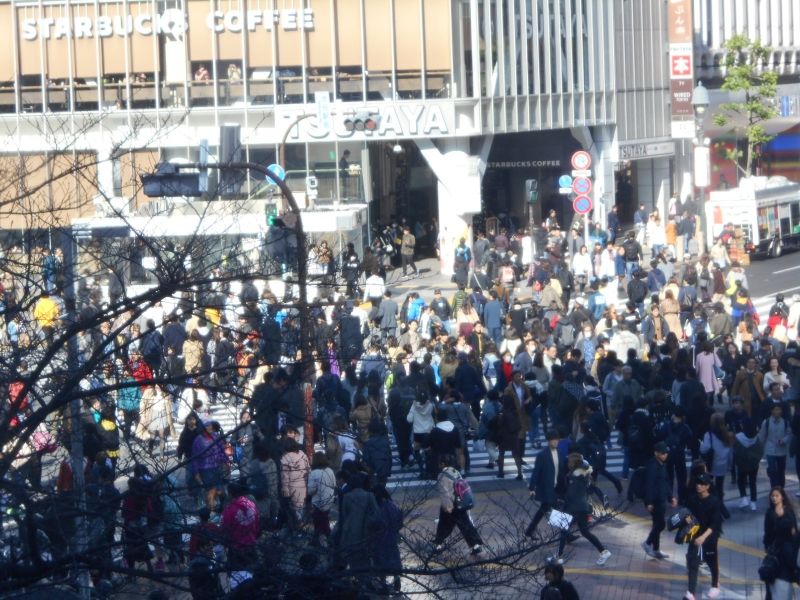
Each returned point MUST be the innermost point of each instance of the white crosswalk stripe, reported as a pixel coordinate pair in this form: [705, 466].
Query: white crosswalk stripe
[227, 416]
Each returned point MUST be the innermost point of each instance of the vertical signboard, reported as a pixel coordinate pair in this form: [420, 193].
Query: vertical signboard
[681, 67]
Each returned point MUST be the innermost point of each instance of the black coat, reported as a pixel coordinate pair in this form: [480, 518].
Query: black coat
[657, 489]
[544, 475]
[377, 453]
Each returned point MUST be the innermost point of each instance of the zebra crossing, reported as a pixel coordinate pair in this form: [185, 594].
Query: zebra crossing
[228, 418]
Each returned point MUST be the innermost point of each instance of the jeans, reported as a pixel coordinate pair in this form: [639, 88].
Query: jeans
[630, 267]
[496, 335]
[747, 477]
[659, 523]
[776, 470]
[533, 430]
[582, 524]
[408, 261]
[676, 471]
[626, 463]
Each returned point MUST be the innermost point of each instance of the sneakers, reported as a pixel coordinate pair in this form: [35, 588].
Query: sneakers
[555, 560]
[712, 593]
[660, 555]
[648, 549]
[438, 548]
[753, 507]
[743, 502]
[688, 596]
[603, 559]
[476, 549]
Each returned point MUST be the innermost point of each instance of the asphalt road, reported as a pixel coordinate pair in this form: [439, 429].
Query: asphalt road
[768, 276]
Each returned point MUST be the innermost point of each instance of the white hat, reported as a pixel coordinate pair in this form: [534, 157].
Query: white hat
[580, 300]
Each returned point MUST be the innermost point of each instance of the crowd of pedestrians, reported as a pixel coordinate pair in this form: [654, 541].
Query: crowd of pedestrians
[569, 346]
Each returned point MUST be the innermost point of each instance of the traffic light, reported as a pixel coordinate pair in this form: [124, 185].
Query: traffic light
[230, 151]
[362, 121]
[168, 182]
[532, 190]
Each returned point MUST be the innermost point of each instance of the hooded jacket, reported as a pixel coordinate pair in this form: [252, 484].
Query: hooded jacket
[747, 452]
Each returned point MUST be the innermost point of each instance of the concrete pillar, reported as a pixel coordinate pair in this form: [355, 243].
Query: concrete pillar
[105, 172]
[459, 175]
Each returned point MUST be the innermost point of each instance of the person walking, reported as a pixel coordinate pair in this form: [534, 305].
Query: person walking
[322, 492]
[716, 449]
[707, 510]
[747, 453]
[294, 471]
[775, 434]
[657, 494]
[509, 427]
[407, 244]
[780, 532]
[547, 480]
[576, 504]
[450, 513]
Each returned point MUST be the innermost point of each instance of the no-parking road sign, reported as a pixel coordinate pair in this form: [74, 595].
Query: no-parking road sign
[582, 186]
[582, 204]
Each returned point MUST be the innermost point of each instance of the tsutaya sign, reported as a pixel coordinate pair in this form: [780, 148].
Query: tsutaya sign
[171, 22]
[395, 121]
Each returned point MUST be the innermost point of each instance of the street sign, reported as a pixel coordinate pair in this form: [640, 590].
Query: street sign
[582, 186]
[581, 160]
[581, 172]
[582, 204]
[564, 181]
[277, 170]
[565, 190]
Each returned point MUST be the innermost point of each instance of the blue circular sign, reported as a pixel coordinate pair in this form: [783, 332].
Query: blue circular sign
[564, 181]
[582, 204]
[582, 185]
[277, 170]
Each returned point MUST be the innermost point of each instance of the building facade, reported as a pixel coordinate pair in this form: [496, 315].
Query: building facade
[470, 98]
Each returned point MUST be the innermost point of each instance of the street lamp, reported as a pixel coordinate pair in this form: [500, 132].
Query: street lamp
[702, 158]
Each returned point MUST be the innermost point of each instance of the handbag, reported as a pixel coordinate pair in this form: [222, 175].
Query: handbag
[770, 565]
[559, 520]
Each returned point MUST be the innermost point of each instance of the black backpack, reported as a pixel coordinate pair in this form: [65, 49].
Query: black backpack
[631, 250]
[637, 484]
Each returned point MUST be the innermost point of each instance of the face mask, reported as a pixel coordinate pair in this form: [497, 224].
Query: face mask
[507, 359]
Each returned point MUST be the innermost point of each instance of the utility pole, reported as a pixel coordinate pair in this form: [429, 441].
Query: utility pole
[81, 539]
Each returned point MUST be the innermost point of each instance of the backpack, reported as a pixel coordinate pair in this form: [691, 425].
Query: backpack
[637, 484]
[565, 333]
[463, 254]
[150, 346]
[463, 499]
[631, 253]
[636, 436]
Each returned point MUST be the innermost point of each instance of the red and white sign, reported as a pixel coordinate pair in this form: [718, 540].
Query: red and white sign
[581, 160]
[582, 186]
[582, 205]
[680, 65]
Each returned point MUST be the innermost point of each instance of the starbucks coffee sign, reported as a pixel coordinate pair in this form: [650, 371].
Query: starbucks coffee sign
[171, 23]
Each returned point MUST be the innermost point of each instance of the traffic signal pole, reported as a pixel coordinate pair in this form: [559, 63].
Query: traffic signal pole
[302, 267]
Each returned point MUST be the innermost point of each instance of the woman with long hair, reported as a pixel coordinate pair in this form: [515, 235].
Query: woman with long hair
[775, 375]
[706, 363]
[780, 531]
[671, 310]
[716, 448]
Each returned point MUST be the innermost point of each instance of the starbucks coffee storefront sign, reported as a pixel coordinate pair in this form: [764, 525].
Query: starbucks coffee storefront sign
[171, 22]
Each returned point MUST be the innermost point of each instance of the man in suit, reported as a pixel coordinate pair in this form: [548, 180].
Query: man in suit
[387, 315]
[547, 479]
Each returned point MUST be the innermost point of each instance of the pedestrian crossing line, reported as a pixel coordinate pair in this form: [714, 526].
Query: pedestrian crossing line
[655, 576]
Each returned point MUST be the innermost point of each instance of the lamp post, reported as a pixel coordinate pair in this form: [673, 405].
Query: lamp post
[701, 157]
